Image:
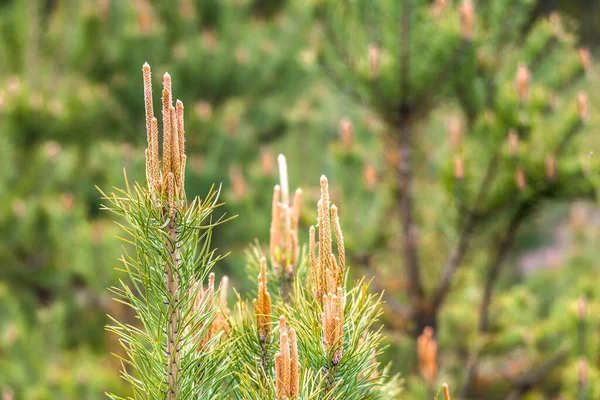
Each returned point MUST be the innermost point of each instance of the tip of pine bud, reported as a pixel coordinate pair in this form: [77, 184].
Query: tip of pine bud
[179, 103]
[299, 191]
[323, 179]
[582, 105]
[281, 158]
[167, 76]
[374, 60]
[333, 208]
[459, 172]
[146, 66]
[446, 391]
[467, 19]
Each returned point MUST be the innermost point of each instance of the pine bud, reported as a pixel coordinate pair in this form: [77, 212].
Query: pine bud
[446, 392]
[203, 111]
[455, 128]
[521, 179]
[283, 179]
[346, 132]
[369, 175]
[374, 60]
[427, 353]
[438, 7]
[522, 82]
[583, 106]
[459, 172]
[267, 160]
[238, 182]
[467, 19]
[550, 166]
[585, 58]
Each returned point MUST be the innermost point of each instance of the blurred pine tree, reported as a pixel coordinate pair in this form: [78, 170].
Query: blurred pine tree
[509, 92]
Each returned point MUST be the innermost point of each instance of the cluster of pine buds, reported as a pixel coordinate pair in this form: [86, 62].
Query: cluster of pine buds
[287, 366]
[284, 225]
[427, 352]
[262, 304]
[204, 303]
[169, 178]
[328, 273]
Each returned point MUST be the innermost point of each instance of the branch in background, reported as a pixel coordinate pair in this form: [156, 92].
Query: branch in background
[346, 59]
[459, 252]
[501, 252]
[409, 234]
[521, 382]
[536, 375]
[424, 102]
[349, 90]
[405, 30]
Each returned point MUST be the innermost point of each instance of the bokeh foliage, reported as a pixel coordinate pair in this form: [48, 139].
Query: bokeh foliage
[256, 82]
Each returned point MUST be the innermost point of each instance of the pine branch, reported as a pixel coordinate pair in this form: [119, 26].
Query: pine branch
[457, 255]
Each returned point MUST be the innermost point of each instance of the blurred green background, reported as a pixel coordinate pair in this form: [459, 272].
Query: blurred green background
[250, 76]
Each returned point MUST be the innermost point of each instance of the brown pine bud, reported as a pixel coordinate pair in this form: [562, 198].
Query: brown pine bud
[339, 238]
[522, 82]
[446, 392]
[294, 366]
[369, 175]
[427, 353]
[467, 19]
[455, 128]
[346, 132]
[521, 179]
[459, 172]
[438, 7]
[585, 58]
[550, 166]
[267, 160]
[583, 105]
[238, 182]
[374, 60]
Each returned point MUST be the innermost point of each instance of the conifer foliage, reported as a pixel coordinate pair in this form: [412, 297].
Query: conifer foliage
[186, 345]
[326, 342]
[510, 88]
[177, 352]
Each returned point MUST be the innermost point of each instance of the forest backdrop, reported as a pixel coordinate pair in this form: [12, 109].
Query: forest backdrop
[263, 77]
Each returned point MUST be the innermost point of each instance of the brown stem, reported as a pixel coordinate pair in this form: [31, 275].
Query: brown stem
[536, 374]
[409, 234]
[494, 268]
[470, 225]
[405, 30]
[172, 280]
